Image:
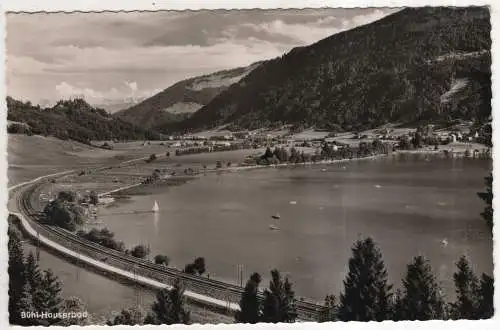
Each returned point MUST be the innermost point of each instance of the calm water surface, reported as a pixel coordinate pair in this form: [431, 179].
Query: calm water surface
[408, 206]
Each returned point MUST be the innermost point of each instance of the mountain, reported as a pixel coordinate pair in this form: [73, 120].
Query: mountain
[113, 106]
[72, 119]
[180, 100]
[416, 65]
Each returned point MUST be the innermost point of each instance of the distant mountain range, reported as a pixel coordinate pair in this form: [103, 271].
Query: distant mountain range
[71, 119]
[113, 106]
[180, 100]
[416, 65]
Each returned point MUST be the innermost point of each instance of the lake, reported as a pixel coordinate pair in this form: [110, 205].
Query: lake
[408, 203]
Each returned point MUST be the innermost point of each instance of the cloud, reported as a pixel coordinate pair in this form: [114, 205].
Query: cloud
[132, 85]
[121, 55]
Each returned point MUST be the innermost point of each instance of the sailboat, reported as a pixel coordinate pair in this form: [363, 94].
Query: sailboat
[156, 207]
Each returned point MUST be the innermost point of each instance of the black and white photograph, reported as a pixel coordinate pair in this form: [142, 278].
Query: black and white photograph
[249, 166]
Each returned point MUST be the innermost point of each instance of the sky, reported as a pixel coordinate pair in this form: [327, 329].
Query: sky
[113, 57]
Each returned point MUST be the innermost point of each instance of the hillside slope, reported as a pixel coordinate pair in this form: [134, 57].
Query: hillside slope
[74, 119]
[396, 69]
[180, 100]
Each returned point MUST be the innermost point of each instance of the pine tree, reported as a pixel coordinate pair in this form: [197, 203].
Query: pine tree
[421, 299]
[74, 305]
[44, 290]
[32, 275]
[249, 304]
[466, 284]
[487, 197]
[16, 275]
[51, 286]
[485, 304]
[130, 316]
[169, 307]
[27, 305]
[366, 292]
[279, 301]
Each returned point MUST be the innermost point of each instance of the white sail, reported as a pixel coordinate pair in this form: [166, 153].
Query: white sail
[156, 207]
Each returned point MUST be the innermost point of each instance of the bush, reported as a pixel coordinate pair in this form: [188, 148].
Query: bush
[161, 259]
[140, 251]
[103, 237]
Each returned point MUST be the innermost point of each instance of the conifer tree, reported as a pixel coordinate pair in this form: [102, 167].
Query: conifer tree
[487, 197]
[366, 293]
[279, 301]
[169, 307]
[485, 303]
[421, 299]
[249, 304]
[16, 275]
[32, 272]
[51, 288]
[26, 305]
[466, 288]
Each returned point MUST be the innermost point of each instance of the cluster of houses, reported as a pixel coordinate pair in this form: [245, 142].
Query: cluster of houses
[262, 138]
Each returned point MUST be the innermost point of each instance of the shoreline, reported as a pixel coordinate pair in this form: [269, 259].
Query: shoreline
[253, 167]
[234, 169]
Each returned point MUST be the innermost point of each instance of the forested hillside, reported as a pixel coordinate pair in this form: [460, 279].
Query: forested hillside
[72, 119]
[419, 64]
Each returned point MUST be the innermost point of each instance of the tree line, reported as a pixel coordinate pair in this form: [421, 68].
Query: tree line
[282, 155]
[367, 295]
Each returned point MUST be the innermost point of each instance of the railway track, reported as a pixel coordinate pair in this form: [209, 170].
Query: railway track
[230, 293]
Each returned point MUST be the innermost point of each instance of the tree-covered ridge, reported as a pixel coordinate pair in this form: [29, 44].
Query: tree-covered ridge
[71, 119]
[406, 67]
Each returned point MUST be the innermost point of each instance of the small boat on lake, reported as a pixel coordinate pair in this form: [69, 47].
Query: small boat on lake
[273, 227]
[156, 207]
[444, 243]
[276, 216]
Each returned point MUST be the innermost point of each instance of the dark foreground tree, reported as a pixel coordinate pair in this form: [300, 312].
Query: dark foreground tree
[16, 275]
[366, 292]
[487, 197]
[30, 289]
[485, 305]
[169, 307]
[279, 301]
[249, 304]
[129, 316]
[420, 299]
[467, 289]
